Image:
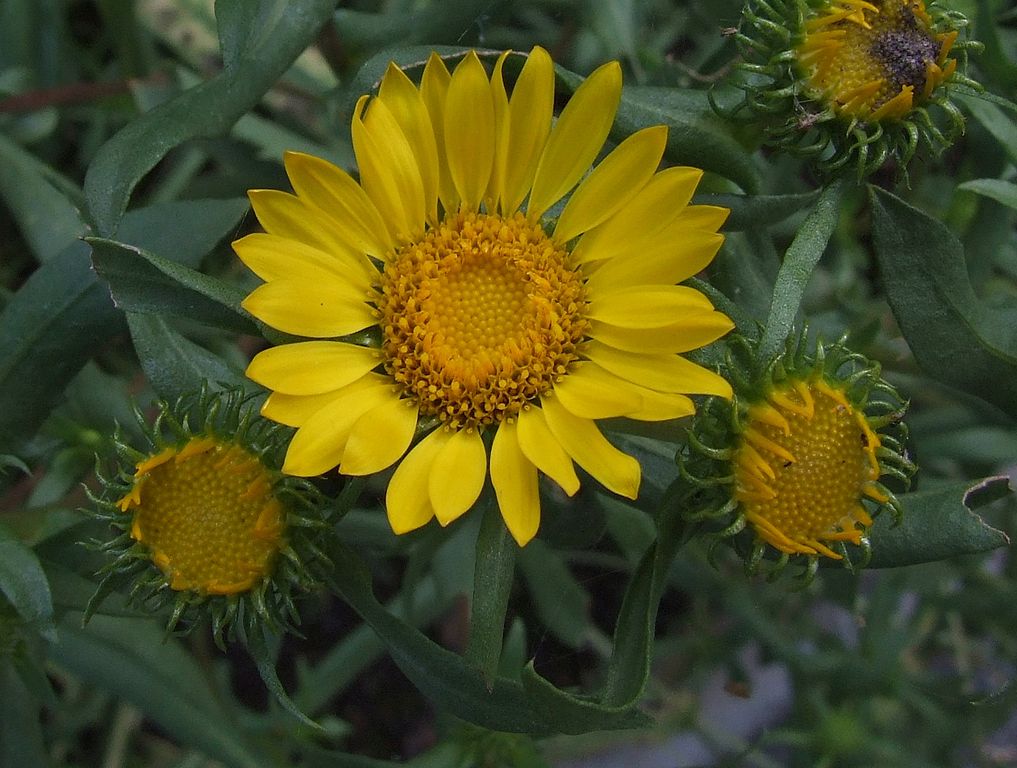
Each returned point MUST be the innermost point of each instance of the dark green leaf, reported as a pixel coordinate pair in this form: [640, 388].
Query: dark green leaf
[21, 741]
[800, 260]
[174, 365]
[492, 583]
[953, 335]
[757, 211]
[156, 228]
[442, 676]
[995, 122]
[48, 219]
[265, 660]
[131, 659]
[561, 603]
[1004, 192]
[57, 320]
[143, 282]
[24, 584]
[938, 524]
[697, 136]
[993, 59]
[258, 55]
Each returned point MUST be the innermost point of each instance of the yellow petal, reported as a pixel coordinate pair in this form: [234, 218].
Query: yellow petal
[294, 410]
[615, 470]
[272, 257]
[706, 217]
[666, 262]
[407, 106]
[664, 373]
[406, 501]
[311, 367]
[590, 392]
[691, 332]
[319, 310]
[515, 485]
[469, 131]
[379, 437]
[639, 222]
[389, 172]
[434, 91]
[576, 138]
[647, 306]
[457, 475]
[529, 123]
[612, 183]
[499, 99]
[662, 406]
[286, 215]
[339, 196]
[319, 443]
[544, 451]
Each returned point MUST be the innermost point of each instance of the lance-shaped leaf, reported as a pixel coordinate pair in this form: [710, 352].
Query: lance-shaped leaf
[955, 337]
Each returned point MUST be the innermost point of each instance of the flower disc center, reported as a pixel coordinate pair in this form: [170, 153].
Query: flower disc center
[479, 317]
[208, 515]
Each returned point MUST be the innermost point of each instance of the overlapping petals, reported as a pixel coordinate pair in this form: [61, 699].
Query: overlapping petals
[460, 142]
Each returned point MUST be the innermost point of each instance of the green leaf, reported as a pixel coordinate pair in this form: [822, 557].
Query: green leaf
[48, 219]
[56, 321]
[995, 122]
[264, 659]
[21, 740]
[796, 270]
[133, 660]
[255, 57]
[173, 364]
[757, 211]
[1004, 192]
[939, 523]
[562, 605]
[697, 135]
[24, 584]
[156, 228]
[993, 59]
[953, 335]
[492, 584]
[143, 282]
[441, 675]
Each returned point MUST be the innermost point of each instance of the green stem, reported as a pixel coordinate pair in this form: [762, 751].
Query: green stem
[492, 583]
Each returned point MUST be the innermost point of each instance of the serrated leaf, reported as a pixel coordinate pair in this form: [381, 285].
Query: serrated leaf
[953, 335]
[143, 282]
[937, 524]
[209, 109]
[24, 584]
[174, 365]
[132, 660]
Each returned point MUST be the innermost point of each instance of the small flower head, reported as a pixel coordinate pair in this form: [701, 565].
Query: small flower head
[800, 456]
[488, 324]
[849, 82]
[206, 521]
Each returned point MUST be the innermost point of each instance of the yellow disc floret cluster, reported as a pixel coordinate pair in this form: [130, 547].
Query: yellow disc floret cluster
[806, 459]
[875, 60]
[207, 513]
[479, 317]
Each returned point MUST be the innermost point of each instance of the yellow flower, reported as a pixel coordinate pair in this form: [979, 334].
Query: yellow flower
[477, 310]
[805, 460]
[208, 516]
[204, 522]
[801, 454]
[875, 61]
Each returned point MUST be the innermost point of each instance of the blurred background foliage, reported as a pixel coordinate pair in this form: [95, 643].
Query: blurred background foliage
[912, 666]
